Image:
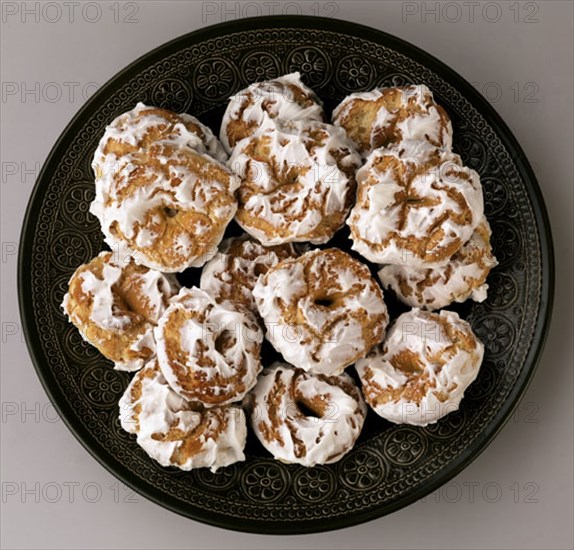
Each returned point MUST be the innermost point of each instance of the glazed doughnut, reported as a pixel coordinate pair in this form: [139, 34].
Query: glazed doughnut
[421, 371]
[167, 206]
[232, 273]
[303, 418]
[145, 126]
[285, 97]
[322, 311]
[176, 432]
[115, 305]
[463, 277]
[387, 116]
[416, 205]
[298, 181]
[208, 352]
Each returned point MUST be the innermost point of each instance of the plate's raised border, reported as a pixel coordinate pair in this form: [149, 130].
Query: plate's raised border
[352, 30]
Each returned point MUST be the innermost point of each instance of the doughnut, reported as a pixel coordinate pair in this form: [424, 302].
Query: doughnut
[322, 311]
[115, 305]
[208, 352]
[298, 181]
[416, 205]
[179, 433]
[285, 97]
[167, 206]
[145, 126]
[387, 116]
[421, 371]
[306, 419]
[232, 273]
[463, 277]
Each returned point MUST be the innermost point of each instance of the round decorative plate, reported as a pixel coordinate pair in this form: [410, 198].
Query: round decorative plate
[392, 465]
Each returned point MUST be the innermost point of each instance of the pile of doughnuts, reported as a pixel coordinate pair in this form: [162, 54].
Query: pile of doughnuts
[166, 192]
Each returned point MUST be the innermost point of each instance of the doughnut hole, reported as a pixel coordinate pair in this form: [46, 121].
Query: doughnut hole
[328, 300]
[170, 212]
[224, 341]
[310, 407]
[260, 269]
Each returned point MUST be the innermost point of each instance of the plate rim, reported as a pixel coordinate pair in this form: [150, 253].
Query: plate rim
[492, 429]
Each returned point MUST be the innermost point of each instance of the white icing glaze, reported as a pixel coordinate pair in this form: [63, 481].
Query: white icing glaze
[291, 435]
[133, 127]
[231, 274]
[126, 201]
[191, 355]
[210, 145]
[318, 338]
[423, 123]
[422, 369]
[455, 282]
[120, 164]
[263, 101]
[104, 314]
[160, 411]
[376, 219]
[320, 189]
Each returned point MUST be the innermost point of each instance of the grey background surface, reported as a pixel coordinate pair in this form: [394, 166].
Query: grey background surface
[517, 494]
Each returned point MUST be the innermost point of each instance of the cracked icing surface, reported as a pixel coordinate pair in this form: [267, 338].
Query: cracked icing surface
[416, 205]
[144, 126]
[115, 304]
[168, 206]
[304, 418]
[176, 432]
[297, 181]
[285, 97]
[387, 116]
[162, 192]
[462, 278]
[422, 369]
[322, 311]
[208, 352]
[231, 274]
